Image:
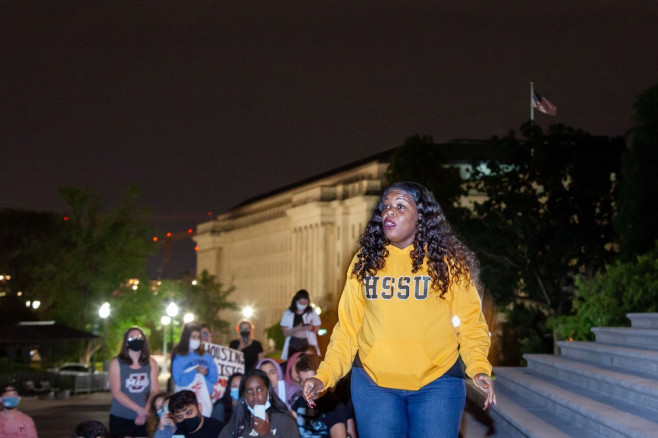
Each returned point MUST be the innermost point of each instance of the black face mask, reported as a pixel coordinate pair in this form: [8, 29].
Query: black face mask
[245, 334]
[136, 344]
[188, 425]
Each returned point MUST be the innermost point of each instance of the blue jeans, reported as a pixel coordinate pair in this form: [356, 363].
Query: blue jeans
[435, 410]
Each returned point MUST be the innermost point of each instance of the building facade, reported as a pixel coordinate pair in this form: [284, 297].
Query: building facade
[300, 237]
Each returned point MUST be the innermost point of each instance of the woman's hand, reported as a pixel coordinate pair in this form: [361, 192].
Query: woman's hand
[166, 420]
[486, 385]
[310, 388]
[261, 426]
[202, 370]
[140, 420]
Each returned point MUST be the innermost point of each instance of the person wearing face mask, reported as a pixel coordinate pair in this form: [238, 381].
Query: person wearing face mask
[14, 423]
[260, 412]
[300, 325]
[133, 381]
[156, 419]
[223, 407]
[185, 412]
[192, 365]
[251, 348]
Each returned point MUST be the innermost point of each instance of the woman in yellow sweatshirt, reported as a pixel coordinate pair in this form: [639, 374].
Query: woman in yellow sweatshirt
[409, 309]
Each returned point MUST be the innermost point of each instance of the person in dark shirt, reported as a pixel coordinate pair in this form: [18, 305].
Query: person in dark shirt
[184, 409]
[251, 348]
[328, 418]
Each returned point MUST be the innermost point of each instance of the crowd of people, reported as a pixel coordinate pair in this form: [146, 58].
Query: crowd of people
[396, 345]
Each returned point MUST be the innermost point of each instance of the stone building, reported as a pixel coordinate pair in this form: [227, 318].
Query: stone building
[302, 236]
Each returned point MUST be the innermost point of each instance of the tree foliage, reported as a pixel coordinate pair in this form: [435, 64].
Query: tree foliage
[637, 222]
[90, 253]
[605, 299]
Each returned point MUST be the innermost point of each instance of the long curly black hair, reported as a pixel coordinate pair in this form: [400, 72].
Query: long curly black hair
[448, 259]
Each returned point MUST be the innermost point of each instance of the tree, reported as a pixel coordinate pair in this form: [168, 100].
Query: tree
[86, 258]
[547, 217]
[206, 297]
[637, 222]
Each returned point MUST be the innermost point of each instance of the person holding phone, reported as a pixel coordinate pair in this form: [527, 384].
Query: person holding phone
[300, 324]
[260, 412]
[184, 411]
[251, 348]
[409, 310]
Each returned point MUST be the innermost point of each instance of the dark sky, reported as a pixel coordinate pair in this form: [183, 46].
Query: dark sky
[203, 104]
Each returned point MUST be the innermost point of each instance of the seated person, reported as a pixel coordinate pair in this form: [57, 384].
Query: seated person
[184, 410]
[260, 412]
[12, 421]
[91, 429]
[273, 370]
[223, 408]
[328, 418]
[158, 418]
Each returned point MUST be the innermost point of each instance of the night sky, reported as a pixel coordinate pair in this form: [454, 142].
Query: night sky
[205, 104]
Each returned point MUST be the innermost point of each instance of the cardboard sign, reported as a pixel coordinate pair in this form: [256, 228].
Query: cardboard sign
[228, 362]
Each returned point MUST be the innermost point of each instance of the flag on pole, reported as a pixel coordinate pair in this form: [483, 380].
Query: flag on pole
[542, 104]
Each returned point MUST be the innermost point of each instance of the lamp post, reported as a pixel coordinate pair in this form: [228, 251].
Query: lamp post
[188, 317]
[165, 320]
[172, 311]
[104, 312]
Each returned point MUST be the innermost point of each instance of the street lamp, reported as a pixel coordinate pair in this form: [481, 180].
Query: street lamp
[172, 311]
[188, 317]
[104, 312]
[248, 312]
[165, 321]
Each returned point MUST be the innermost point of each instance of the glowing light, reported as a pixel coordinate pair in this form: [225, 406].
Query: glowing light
[28, 303]
[168, 234]
[188, 317]
[196, 248]
[190, 231]
[155, 238]
[172, 309]
[104, 310]
[322, 332]
[456, 321]
[194, 282]
[318, 310]
[248, 312]
[135, 287]
[36, 304]
[2, 277]
[165, 320]
[20, 294]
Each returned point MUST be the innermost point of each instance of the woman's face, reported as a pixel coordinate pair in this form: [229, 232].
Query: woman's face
[255, 391]
[399, 218]
[235, 383]
[302, 302]
[245, 327]
[159, 403]
[272, 374]
[196, 335]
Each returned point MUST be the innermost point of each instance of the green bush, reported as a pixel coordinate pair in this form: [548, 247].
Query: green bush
[605, 299]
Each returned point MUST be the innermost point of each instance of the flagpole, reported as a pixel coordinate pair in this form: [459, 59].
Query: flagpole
[532, 107]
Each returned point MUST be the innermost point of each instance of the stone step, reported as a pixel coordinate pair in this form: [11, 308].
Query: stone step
[627, 387]
[515, 416]
[605, 416]
[643, 320]
[627, 336]
[631, 359]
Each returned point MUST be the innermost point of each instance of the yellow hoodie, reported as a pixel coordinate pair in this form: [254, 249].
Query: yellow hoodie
[403, 331]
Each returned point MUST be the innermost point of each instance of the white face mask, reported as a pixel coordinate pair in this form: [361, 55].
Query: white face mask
[301, 307]
[267, 406]
[195, 344]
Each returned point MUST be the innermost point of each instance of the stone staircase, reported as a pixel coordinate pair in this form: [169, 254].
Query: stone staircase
[606, 388]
